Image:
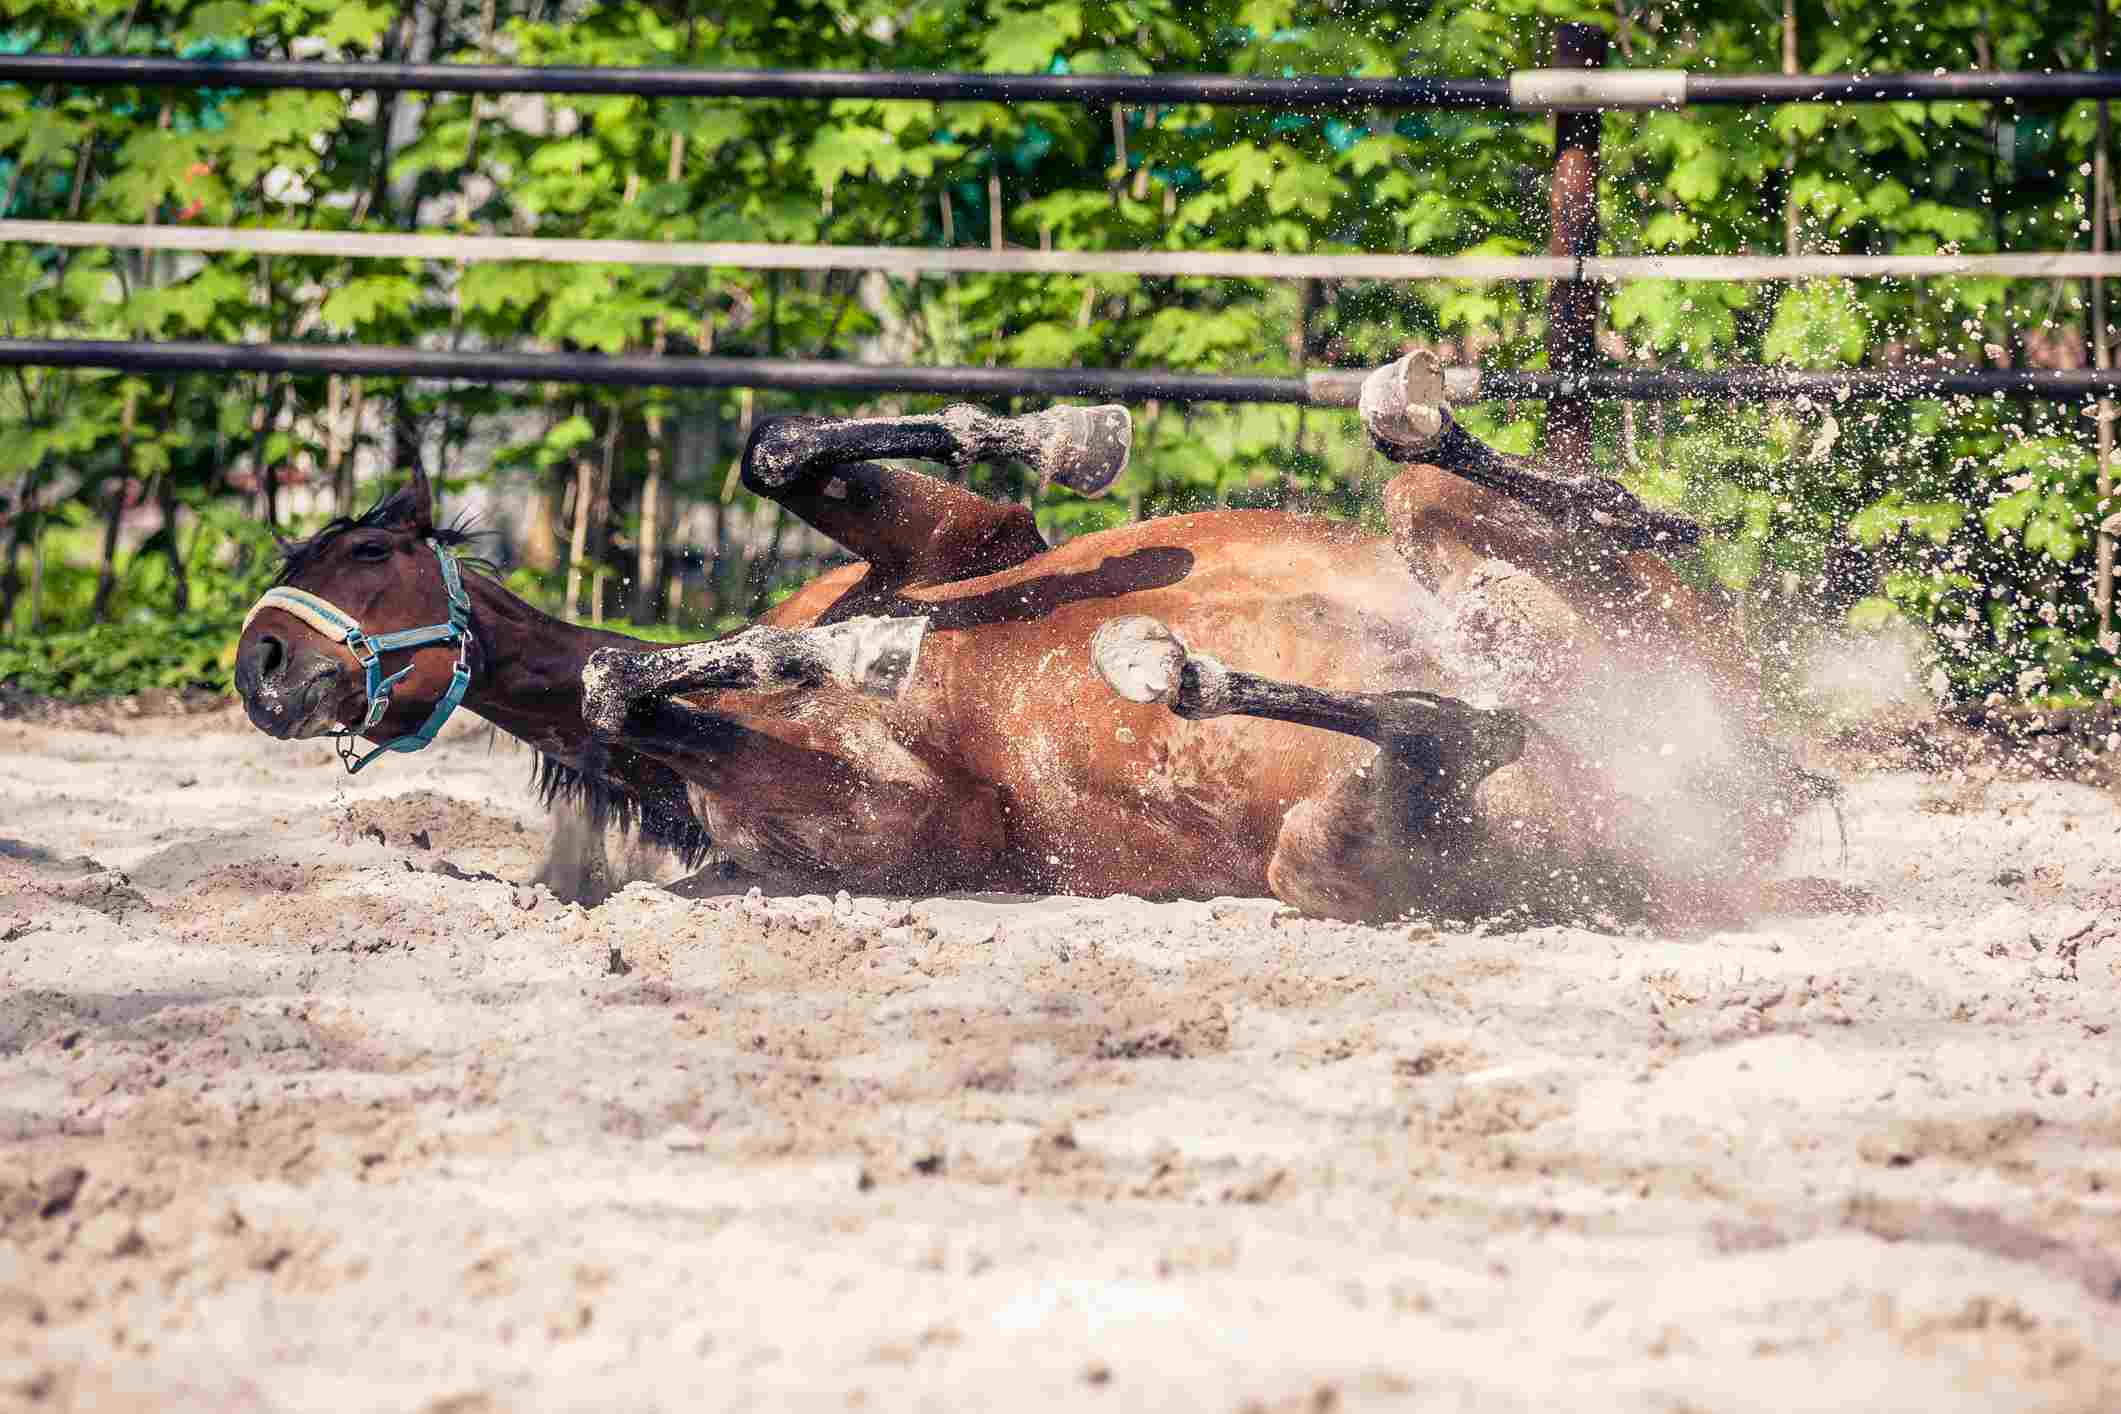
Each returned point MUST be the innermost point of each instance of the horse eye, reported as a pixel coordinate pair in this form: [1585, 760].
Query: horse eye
[372, 551]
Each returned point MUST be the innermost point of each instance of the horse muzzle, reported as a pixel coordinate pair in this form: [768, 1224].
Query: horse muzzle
[289, 693]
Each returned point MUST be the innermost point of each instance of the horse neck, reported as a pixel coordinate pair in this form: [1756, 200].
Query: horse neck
[528, 675]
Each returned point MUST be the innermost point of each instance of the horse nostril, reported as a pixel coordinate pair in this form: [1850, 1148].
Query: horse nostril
[268, 657]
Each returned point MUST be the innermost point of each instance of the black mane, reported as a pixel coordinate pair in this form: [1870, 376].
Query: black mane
[662, 817]
[660, 813]
[393, 510]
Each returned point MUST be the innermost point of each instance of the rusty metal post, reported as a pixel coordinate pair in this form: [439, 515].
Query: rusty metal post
[2103, 352]
[1572, 305]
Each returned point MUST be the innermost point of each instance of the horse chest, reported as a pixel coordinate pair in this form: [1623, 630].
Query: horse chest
[839, 794]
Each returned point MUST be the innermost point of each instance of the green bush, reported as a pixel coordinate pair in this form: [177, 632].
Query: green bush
[1971, 519]
[115, 659]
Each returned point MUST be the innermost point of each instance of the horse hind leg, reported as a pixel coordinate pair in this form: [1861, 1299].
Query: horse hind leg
[1402, 831]
[1403, 407]
[1143, 661]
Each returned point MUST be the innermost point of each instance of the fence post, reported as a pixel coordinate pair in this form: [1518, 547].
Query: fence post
[1572, 305]
[2103, 351]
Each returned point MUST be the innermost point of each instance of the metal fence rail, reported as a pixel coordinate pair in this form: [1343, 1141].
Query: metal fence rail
[965, 260]
[1528, 90]
[1578, 84]
[1318, 388]
[1577, 88]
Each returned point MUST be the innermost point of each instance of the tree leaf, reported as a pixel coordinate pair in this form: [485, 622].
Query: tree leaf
[1815, 322]
[1025, 41]
[1699, 178]
[1243, 168]
[366, 298]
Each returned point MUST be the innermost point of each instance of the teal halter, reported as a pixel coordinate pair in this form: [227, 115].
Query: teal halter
[368, 650]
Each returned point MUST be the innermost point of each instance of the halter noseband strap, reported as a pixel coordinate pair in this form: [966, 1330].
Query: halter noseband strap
[368, 650]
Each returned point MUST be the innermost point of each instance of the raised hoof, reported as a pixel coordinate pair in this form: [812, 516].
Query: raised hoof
[779, 449]
[1138, 658]
[1402, 404]
[1084, 449]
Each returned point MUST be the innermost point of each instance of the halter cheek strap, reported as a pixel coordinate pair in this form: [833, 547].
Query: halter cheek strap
[368, 650]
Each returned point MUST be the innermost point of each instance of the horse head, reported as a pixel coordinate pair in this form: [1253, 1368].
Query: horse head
[341, 629]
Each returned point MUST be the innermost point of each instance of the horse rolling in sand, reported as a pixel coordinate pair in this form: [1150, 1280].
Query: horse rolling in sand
[1510, 700]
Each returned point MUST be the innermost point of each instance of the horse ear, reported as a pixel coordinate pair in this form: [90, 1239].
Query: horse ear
[421, 511]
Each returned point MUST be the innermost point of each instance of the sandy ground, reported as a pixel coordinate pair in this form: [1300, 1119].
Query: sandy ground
[308, 1103]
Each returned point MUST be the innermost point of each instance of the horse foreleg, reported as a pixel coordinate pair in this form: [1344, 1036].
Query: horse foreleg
[875, 656]
[1403, 409]
[1081, 448]
[812, 789]
[914, 528]
[1399, 831]
[1450, 746]
[1461, 811]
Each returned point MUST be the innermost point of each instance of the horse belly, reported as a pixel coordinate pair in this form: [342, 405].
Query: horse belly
[1100, 795]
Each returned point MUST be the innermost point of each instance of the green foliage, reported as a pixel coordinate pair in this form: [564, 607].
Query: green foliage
[1817, 325]
[1973, 518]
[2054, 497]
[117, 659]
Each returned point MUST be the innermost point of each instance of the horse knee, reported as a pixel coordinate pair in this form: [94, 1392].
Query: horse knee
[1518, 636]
[607, 700]
[1332, 859]
[1370, 847]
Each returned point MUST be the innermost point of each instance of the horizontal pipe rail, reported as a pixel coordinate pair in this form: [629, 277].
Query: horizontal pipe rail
[1529, 90]
[962, 260]
[1765, 384]
[644, 370]
[1318, 388]
[1996, 86]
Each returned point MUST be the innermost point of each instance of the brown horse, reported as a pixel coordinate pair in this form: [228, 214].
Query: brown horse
[1511, 700]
